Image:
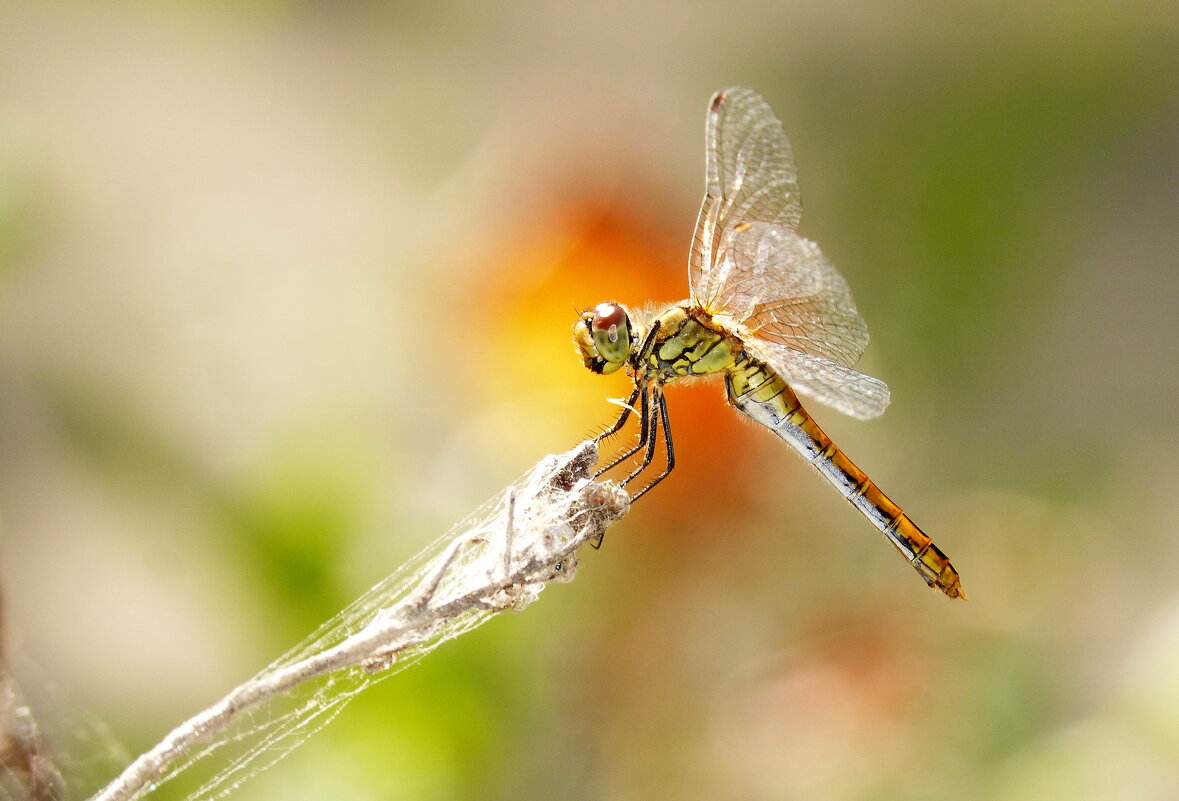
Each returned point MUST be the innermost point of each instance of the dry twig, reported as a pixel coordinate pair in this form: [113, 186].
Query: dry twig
[497, 560]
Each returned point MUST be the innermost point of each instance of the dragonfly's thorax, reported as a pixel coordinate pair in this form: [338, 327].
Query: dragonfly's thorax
[686, 343]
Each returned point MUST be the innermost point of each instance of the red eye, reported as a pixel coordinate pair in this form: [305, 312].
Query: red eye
[607, 315]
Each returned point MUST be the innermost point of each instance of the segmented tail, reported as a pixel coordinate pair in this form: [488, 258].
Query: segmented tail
[761, 394]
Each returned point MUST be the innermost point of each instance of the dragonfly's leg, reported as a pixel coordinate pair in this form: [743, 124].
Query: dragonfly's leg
[649, 437]
[644, 441]
[649, 344]
[650, 434]
[641, 386]
[661, 402]
[644, 426]
[622, 418]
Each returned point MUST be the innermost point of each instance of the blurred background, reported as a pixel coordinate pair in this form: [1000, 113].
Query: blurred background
[286, 290]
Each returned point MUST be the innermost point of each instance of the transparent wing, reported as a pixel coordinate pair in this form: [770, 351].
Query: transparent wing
[749, 177]
[840, 387]
[761, 279]
[782, 289]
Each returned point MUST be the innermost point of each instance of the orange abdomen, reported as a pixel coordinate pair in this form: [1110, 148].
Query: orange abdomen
[761, 394]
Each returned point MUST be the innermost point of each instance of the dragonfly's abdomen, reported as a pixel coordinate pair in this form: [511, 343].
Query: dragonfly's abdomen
[761, 394]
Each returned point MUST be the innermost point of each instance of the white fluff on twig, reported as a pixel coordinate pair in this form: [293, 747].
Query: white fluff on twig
[497, 560]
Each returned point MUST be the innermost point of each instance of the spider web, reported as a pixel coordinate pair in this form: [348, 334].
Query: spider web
[498, 559]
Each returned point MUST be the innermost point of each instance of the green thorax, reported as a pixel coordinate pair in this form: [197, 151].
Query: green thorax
[689, 343]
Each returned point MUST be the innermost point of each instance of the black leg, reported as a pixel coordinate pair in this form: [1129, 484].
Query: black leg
[661, 401]
[650, 436]
[648, 424]
[622, 418]
[649, 344]
[644, 416]
[643, 357]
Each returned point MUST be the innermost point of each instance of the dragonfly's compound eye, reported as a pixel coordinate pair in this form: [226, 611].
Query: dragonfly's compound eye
[608, 318]
[603, 337]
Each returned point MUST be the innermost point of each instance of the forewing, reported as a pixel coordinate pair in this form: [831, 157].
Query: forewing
[828, 382]
[782, 289]
[750, 269]
[749, 177]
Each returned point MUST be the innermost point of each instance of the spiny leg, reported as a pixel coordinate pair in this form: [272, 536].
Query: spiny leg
[644, 437]
[661, 402]
[641, 386]
[622, 418]
[650, 435]
[644, 415]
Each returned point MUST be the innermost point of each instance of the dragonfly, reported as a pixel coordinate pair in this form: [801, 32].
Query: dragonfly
[769, 312]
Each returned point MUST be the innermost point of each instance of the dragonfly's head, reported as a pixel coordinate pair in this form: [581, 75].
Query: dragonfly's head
[603, 337]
